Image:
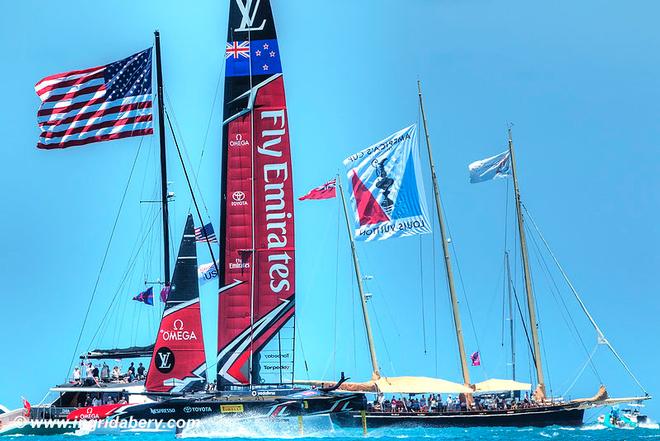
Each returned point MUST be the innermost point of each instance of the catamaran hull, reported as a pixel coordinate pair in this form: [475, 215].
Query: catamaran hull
[537, 417]
[259, 406]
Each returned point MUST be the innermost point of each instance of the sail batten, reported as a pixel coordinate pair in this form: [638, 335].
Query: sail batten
[256, 307]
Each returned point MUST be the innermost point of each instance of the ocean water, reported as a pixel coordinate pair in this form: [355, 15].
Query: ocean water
[320, 427]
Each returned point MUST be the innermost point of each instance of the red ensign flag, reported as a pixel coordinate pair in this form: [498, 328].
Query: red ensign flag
[325, 191]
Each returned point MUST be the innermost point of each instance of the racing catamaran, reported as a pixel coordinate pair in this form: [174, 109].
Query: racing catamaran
[256, 316]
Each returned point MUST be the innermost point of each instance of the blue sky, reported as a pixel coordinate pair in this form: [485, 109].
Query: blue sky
[580, 82]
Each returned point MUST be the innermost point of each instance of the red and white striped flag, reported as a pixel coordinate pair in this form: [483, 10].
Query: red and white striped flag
[96, 104]
[325, 191]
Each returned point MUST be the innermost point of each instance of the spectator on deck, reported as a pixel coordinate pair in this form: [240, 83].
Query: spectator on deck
[140, 372]
[433, 404]
[131, 372]
[116, 373]
[105, 372]
[76, 375]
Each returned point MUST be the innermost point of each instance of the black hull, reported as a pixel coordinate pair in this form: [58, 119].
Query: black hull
[196, 409]
[566, 415]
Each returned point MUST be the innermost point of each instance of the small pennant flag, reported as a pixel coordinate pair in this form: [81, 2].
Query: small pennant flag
[165, 293]
[325, 191]
[476, 359]
[205, 234]
[495, 167]
[27, 408]
[207, 272]
[146, 297]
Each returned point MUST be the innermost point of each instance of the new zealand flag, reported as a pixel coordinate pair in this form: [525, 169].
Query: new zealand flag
[263, 56]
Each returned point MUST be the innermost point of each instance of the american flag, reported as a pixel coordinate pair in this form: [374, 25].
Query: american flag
[202, 234]
[96, 104]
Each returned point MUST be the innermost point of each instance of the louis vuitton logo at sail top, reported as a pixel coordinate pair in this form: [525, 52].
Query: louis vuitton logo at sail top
[258, 232]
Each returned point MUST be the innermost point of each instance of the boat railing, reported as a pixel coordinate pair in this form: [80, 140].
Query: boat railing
[50, 412]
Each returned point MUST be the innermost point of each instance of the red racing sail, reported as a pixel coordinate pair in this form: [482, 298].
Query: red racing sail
[178, 362]
[257, 286]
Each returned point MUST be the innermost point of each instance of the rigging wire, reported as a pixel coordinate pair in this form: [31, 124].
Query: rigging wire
[170, 109]
[131, 265]
[421, 290]
[334, 336]
[581, 371]
[211, 113]
[435, 299]
[105, 256]
[601, 336]
[192, 193]
[556, 293]
[465, 296]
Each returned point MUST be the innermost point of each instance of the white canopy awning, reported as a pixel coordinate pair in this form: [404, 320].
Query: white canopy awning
[420, 385]
[497, 385]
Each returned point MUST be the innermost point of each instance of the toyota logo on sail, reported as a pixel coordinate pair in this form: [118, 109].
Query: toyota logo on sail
[238, 141]
[238, 199]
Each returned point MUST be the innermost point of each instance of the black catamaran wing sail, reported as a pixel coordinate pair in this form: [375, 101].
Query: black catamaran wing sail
[178, 358]
[119, 353]
[256, 306]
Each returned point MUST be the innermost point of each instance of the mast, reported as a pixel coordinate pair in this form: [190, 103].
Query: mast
[445, 249]
[540, 391]
[511, 328]
[358, 275]
[163, 162]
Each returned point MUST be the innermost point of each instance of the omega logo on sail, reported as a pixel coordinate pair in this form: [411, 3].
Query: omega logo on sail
[275, 177]
[238, 141]
[178, 333]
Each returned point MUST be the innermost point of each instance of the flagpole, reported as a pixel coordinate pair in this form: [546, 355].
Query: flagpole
[531, 307]
[358, 275]
[445, 248]
[163, 162]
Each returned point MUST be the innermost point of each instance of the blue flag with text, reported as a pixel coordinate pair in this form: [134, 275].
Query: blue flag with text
[387, 192]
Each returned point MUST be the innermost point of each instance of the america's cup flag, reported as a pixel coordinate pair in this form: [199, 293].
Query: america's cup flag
[96, 104]
[387, 192]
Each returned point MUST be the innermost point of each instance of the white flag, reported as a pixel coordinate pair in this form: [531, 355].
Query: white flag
[495, 167]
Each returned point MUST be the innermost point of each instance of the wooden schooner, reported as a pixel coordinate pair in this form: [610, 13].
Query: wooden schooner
[543, 410]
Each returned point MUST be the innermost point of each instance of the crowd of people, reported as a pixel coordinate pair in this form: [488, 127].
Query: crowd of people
[106, 398]
[435, 403]
[97, 374]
